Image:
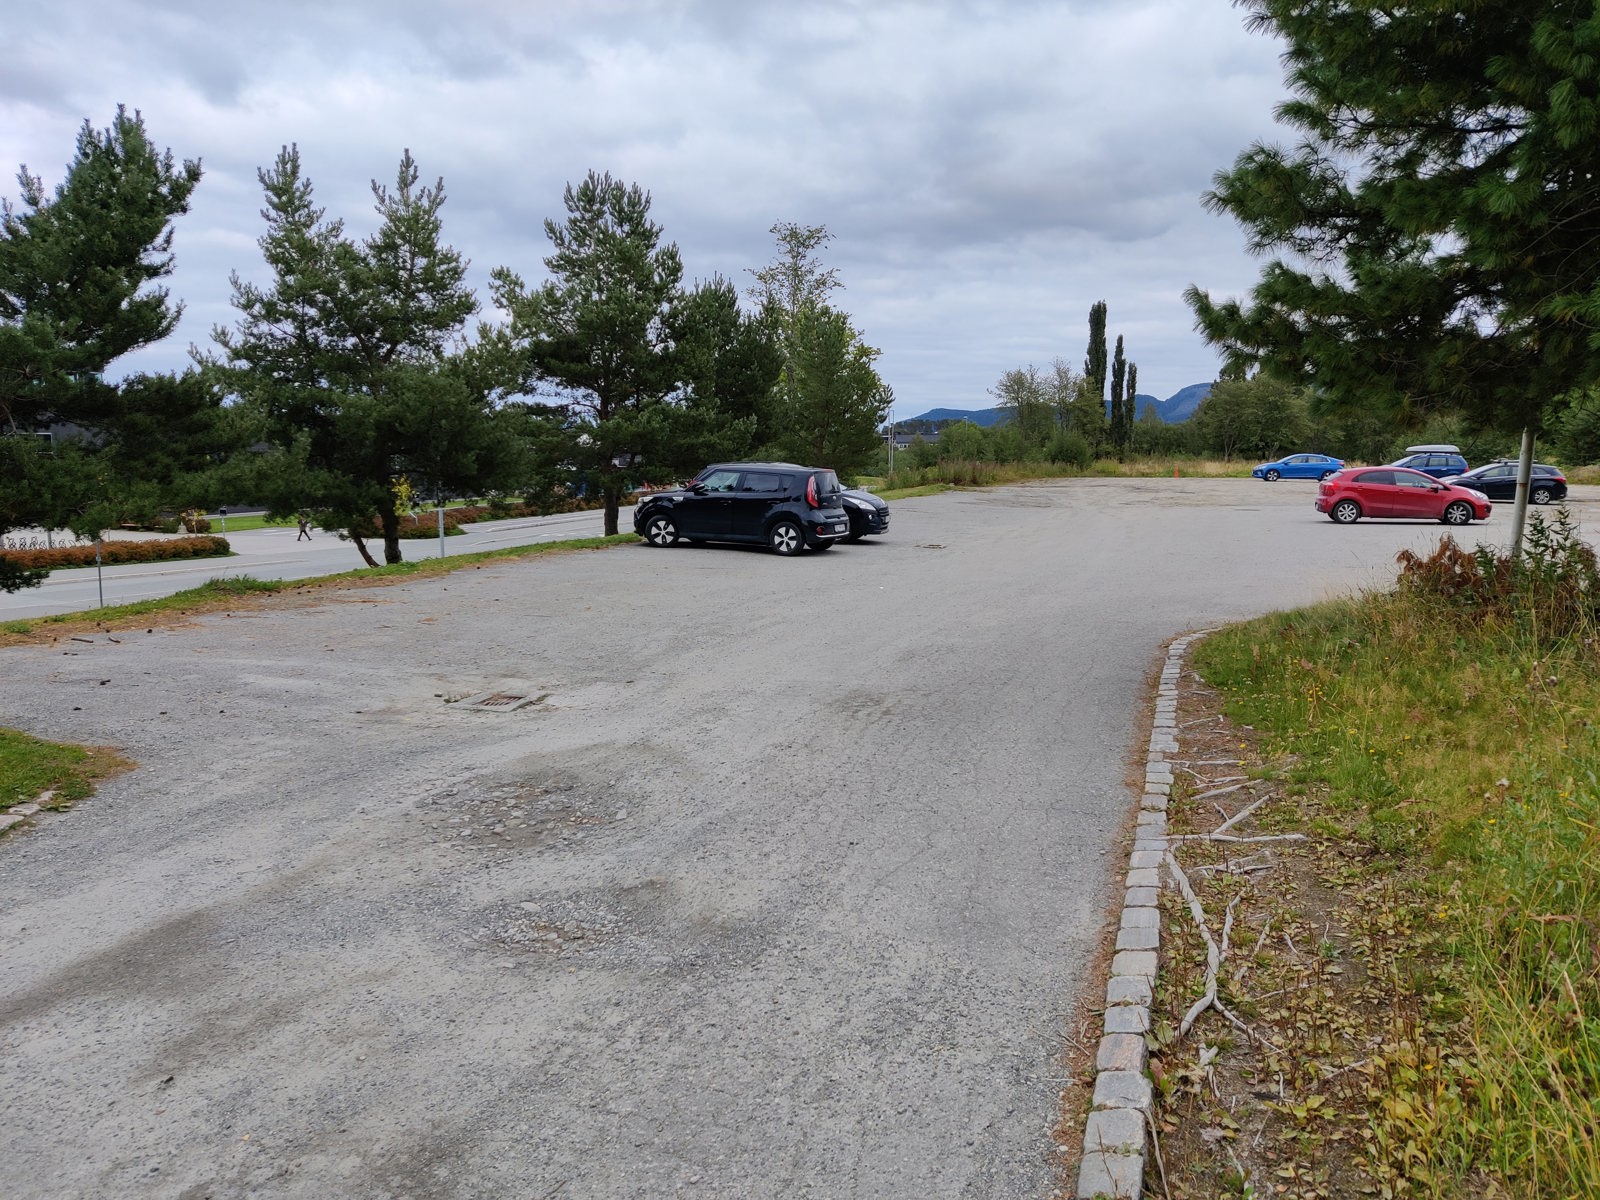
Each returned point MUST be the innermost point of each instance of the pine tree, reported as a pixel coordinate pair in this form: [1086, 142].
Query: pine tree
[1437, 222]
[600, 330]
[79, 290]
[353, 360]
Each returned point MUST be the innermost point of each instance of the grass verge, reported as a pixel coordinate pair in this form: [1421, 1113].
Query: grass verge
[1420, 1014]
[221, 594]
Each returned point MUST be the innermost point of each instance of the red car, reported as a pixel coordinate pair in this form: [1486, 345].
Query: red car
[1357, 492]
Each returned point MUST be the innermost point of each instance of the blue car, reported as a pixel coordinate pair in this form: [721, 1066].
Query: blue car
[1298, 466]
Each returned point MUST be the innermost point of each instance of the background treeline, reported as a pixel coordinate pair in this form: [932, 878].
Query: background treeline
[1240, 420]
[357, 380]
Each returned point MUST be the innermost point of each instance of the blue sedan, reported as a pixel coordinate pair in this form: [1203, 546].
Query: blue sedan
[1298, 466]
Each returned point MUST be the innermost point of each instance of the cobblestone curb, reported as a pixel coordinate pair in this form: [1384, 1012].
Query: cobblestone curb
[1116, 1131]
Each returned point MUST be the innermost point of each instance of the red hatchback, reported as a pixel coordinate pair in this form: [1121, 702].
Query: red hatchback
[1357, 492]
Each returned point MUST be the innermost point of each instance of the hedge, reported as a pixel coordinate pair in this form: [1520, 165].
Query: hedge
[155, 550]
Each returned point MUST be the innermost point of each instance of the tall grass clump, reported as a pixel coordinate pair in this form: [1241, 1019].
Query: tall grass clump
[1452, 721]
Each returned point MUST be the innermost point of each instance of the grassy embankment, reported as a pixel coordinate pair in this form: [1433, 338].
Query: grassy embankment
[1451, 728]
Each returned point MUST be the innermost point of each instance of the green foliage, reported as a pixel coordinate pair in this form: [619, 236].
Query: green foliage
[79, 275]
[1070, 448]
[351, 362]
[1094, 363]
[1577, 431]
[1455, 718]
[1257, 417]
[600, 330]
[829, 400]
[1439, 211]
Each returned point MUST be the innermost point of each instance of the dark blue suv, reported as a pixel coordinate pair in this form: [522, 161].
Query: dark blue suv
[1438, 461]
[784, 506]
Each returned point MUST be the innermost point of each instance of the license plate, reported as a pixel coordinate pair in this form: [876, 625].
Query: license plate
[841, 528]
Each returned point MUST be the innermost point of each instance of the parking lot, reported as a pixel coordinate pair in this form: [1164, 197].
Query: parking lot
[786, 879]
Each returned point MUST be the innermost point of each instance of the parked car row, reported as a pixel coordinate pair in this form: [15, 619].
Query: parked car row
[784, 506]
[1430, 482]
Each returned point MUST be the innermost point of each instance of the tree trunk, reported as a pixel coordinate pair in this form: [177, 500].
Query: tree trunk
[613, 495]
[391, 537]
[361, 546]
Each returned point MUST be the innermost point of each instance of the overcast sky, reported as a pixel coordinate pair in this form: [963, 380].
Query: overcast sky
[989, 169]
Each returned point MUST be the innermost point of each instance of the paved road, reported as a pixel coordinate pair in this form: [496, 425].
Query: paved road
[276, 553]
[787, 885]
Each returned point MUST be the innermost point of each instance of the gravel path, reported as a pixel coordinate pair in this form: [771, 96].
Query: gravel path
[786, 884]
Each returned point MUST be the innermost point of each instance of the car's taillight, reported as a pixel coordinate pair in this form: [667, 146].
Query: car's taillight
[811, 491]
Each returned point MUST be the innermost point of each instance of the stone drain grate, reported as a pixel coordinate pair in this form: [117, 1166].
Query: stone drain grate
[498, 701]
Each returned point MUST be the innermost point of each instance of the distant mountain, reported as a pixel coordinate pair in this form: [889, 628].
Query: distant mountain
[981, 416]
[1181, 405]
[1178, 407]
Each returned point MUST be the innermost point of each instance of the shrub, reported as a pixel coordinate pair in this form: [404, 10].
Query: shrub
[157, 550]
[1552, 591]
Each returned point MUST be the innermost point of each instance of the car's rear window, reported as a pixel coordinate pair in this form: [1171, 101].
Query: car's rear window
[828, 488]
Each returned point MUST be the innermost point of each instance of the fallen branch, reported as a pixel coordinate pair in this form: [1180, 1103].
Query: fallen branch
[1239, 816]
[1213, 951]
[1221, 791]
[1229, 837]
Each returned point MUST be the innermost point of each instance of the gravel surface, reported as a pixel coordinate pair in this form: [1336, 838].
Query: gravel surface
[786, 884]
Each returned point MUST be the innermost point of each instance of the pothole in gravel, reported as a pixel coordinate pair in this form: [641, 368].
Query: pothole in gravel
[556, 812]
[625, 920]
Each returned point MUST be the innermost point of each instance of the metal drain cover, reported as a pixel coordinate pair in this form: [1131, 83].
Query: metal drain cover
[497, 701]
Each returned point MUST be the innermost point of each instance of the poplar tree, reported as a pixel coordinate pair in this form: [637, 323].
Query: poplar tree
[1119, 380]
[1094, 365]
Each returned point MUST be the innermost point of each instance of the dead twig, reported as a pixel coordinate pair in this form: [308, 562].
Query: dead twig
[1239, 816]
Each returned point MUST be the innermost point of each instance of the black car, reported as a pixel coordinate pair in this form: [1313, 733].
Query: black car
[867, 513]
[1498, 481]
[784, 506]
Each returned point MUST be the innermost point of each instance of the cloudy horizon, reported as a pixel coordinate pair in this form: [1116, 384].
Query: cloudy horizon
[988, 171]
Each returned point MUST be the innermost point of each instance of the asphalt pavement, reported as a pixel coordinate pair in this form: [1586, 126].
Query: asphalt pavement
[757, 876]
[277, 553]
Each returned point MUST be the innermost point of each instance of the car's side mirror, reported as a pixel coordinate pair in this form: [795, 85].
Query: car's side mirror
[699, 489]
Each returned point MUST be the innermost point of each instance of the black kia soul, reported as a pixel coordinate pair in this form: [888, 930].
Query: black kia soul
[785, 506]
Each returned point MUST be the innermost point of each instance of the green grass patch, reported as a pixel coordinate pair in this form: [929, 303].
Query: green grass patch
[30, 766]
[1453, 724]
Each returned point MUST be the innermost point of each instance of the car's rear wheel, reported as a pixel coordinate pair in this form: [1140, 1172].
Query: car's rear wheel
[786, 539]
[1272, 476]
[1345, 512]
[1324, 475]
[660, 530]
[1541, 495]
[1457, 512]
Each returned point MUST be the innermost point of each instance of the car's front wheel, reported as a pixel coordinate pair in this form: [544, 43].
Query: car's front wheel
[1345, 512]
[1457, 512]
[1541, 495]
[785, 538]
[1272, 476]
[660, 530]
